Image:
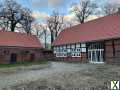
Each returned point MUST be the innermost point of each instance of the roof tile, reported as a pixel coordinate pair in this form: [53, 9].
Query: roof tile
[19, 39]
[107, 27]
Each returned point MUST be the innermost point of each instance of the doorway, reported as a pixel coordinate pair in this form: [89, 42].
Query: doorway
[32, 57]
[96, 52]
[13, 58]
[96, 55]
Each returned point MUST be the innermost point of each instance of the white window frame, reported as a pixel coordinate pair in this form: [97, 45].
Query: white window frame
[76, 54]
[55, 50]
[83, 45]
[78, 45]
[83, 50]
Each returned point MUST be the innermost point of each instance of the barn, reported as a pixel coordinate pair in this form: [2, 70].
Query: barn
[19, 47]
[96, 41]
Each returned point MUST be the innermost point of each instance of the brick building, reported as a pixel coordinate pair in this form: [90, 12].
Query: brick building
[18, 47]
[96, 41]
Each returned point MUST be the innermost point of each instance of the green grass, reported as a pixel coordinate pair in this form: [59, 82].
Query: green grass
[23, 64]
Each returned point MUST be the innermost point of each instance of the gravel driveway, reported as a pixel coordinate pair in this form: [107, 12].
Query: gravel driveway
[7, 79]
[67, 74]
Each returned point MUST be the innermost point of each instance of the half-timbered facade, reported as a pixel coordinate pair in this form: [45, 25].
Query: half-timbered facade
[96, 41]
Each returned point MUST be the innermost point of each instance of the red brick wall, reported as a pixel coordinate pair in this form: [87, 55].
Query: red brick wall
[5, 54]
[108, 49]
[112, 52]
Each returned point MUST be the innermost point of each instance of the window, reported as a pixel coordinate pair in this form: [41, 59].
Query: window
[83, 45]
[76, 54]
[61, 51]
[68, 50]
[73, 50]
[78, 45]
[83, 49]
[64, 47]
[78, 50]
[73, 46]
[55, 49]
[68, 46]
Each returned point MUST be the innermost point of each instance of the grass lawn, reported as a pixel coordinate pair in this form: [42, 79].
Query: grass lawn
[23, 64]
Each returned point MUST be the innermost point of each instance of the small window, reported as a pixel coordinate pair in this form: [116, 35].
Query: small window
[64, 47]
[78, 45]
[68, 46]
[83, 49]
[79, 50]
[83, 45]
[73, 46]
[68, 50]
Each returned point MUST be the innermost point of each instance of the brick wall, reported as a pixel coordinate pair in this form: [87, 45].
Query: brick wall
[5, 54]
[112, 51]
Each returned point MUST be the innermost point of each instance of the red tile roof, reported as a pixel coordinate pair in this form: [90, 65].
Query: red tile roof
[107, 27]
[19, 40]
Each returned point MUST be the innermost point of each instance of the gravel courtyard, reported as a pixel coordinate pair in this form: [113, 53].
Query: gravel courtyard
[61, 76]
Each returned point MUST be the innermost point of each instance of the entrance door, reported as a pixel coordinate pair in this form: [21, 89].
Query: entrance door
[96, 55]
[32, 57]
[13, 58]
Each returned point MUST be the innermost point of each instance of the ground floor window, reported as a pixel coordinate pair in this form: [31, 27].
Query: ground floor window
[76, 54]
[61, 54]
[71, 50]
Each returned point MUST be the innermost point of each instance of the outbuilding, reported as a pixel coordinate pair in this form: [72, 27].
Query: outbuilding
[19, 47]
[96, 41]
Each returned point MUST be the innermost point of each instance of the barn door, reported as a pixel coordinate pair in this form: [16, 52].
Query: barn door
[96, 55]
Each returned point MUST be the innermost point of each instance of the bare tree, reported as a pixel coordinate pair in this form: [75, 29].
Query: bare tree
[41, 31]
[109, 8]
[55, 25]
[44, 33]
[14, 13]
[83, 10]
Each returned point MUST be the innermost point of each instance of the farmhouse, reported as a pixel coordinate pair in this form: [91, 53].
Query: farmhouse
[96, 41]
[18, 47]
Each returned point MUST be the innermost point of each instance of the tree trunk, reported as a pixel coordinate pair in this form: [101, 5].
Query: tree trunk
[45, 40]
[12, 27]
[82, 21]
[52, 39]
